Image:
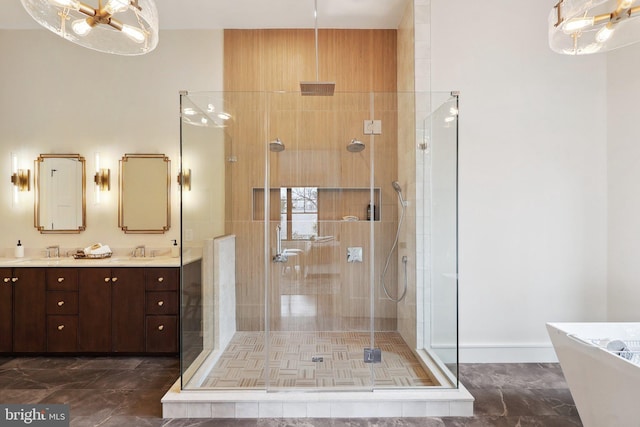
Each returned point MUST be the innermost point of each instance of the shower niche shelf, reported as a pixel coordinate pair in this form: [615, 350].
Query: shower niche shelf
[333, 203]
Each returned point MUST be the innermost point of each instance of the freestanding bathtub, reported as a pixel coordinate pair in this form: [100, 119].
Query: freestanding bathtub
[605, 384]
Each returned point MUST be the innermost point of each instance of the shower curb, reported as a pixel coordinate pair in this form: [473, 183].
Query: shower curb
[381, 403]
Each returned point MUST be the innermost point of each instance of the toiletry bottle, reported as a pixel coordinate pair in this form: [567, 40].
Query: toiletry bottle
[19, 251]
[371, 212]
[175, 249]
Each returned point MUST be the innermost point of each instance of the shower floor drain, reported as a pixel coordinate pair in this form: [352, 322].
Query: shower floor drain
[317, 359]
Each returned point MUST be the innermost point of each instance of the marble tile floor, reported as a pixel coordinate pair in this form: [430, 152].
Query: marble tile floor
[126, 391]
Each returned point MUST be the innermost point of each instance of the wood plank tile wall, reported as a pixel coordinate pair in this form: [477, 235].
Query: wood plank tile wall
[316, 131]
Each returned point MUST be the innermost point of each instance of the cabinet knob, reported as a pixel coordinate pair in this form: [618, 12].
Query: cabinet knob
[160, 279]
[107, 279]
[114, 279]
[60, 303]
[60, 279]
[160, 303]
[60, 327]
[14, 279]
[161, 327]
[6, 279]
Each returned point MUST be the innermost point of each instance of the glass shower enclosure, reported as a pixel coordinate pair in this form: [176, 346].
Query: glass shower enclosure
[319, 241]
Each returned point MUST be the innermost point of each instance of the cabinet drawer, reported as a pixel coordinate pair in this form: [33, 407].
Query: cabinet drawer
[62, 302]
[62, 279]
[162, 279]
[62, 333]
[162, 334]
[162, 303]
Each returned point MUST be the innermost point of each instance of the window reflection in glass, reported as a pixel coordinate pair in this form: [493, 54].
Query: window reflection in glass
[299, 213]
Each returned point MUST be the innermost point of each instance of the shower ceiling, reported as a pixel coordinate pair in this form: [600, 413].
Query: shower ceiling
[207, 14]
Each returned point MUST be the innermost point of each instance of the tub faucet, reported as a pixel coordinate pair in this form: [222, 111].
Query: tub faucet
[279, 256]
[55, 250]
[140, 250]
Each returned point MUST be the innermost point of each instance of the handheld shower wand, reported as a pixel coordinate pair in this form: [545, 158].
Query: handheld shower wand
[403, 203]
[396, 186]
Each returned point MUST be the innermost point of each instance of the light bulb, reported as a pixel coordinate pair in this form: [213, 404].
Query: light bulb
[70, 4]
[81, 27]
[604, 34]
[135, 34]
[115, 6]
[576, 24]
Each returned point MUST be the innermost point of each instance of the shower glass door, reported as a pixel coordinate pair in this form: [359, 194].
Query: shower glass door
[318, 241]
[441, 129]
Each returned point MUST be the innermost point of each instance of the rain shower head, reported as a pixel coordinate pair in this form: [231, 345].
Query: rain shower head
[317, 88]
[276, 145]
[355, 146]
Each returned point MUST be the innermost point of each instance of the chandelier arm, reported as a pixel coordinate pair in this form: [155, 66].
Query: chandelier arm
[114, 23]
[604, 17]
[633, 11]
[87, 10]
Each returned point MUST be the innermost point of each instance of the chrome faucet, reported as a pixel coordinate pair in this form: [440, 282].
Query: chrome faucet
[138, 249]
[55, 249]
[279, 256]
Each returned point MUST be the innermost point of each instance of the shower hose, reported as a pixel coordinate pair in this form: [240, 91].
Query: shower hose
[404, 262]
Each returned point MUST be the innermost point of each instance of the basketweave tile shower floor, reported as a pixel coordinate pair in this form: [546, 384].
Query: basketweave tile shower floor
[242, 364]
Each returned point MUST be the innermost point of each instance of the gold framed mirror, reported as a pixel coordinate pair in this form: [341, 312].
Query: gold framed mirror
[60, 194]
[144, 205]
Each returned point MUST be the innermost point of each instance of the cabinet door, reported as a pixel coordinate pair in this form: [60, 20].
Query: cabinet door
[6, 310]
[128, 309]
[29, 319]
[94, 309]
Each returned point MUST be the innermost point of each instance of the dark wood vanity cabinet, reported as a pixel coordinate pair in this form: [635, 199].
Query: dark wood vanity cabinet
[111, 310]
[22, 310]
[6, 311]
[62, 310]
[161, 310]
[89, 310]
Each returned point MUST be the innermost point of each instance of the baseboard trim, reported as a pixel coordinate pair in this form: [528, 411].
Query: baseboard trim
[507, 353]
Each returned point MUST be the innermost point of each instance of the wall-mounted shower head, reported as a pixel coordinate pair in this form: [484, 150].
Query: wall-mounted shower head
[355, 146]
[396, 186]
[276, 145]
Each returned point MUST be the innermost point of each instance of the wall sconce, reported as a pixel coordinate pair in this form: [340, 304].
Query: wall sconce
[20, 178]
[184, 179]
[102, 179]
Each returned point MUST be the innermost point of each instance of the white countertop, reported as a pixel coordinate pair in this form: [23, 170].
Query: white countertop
[115, 261]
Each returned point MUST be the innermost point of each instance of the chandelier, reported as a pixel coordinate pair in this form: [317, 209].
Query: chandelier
[580, 27]
[122, 27]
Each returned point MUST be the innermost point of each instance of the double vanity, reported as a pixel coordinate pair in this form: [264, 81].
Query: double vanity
[90, 306]
[63, 305]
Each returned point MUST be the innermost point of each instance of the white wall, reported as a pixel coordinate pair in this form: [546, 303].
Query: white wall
[533, 198]
[58, 97]
[623, 153]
